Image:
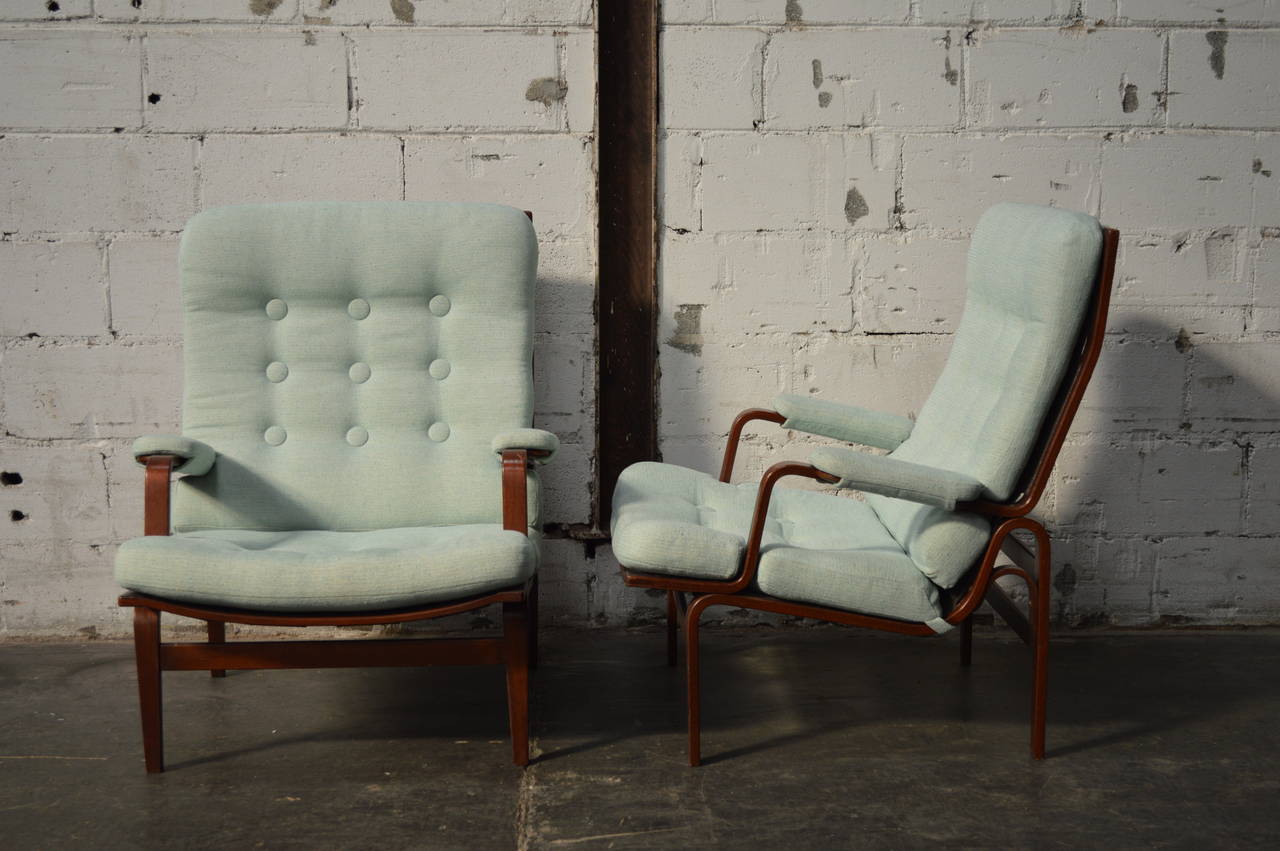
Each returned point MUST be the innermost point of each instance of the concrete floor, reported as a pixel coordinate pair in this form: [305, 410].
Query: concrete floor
[813, 738]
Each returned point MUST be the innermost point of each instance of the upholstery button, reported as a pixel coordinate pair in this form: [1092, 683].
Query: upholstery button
[357, 436]
[277, 372]
[439, 432]
[277, 309]
[359, 372]
[358, 309]
[439, 305]
[275, 435]
[439, 369]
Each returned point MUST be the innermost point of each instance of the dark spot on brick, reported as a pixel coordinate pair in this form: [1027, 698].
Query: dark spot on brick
[1258, 169]
[308, 38]
[117, 129]
[855, 206]
[403, 10]
[793, 13]
[1129, 102]
[1183, 341]
[487, 157]
[1058, 187]
[1065, 581]
[137, 4]
[546, 90]
[1218, 52]
[262, 8]
[817, 73]
[1210, 178]
[11, 602]
[688, 333]
[824, 99]
[17, 516]
[951, 75]
[10, 479]
[88, 631]
[153, 98]
[52, 5]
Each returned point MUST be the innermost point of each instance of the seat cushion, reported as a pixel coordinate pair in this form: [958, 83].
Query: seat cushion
[817, 548]
[327, 571]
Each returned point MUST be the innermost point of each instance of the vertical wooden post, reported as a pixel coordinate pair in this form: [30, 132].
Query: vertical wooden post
[146, 642]
[626, 321]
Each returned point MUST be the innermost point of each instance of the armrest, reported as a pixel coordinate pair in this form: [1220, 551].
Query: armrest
[541, 445]
[196, 457]
[843, 422]
[895, 477]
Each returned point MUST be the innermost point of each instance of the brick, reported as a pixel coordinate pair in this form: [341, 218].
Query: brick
[862, 78]
[238, 169]
[84, 183]
[711, 78]
[700, 392]
[1099, 580]
[1263, 511]
[52, 289]
[559, 382]
[895, 376]
[805, 12]
[1177, 182]
[1265, 170]
[1005, 11]
[1149, 489]
[948, 182]
[1249, 76]
[63, 495]
[679, 171]
[911, 283]
[460, 81]
[1203, 11]
[1066, 78]
[59, 589]
[732, 285]
[580, 77]
[91, 391]
[550, 175]
[346, 12]
[570, 12]
[145, 297]
[566, 290]
[1135, 385]
[566, 488]
[1232, 382]
[70, 80]
[790, 181]
[1266, 272]
[1217, 580]
[241, 81]
[38, 10]
[1183, 269]
[198, 10]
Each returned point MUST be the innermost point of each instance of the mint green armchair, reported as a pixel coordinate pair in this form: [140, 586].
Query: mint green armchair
[356, 446]
[917, 555]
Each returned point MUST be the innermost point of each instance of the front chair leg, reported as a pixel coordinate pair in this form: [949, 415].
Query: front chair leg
[1040, 635]
[966, 642]
[146, 643]
[217, 635]
[693, 676]
[515, 653]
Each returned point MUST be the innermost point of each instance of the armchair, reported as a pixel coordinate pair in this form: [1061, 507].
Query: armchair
[918, 555]
[355, 445]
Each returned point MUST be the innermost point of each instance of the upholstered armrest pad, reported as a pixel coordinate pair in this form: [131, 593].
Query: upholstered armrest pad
[196, 457]
[533, 439]
[843, 422]
[895, 477]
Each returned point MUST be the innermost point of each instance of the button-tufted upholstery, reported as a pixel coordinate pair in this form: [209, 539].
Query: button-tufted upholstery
[351, 365]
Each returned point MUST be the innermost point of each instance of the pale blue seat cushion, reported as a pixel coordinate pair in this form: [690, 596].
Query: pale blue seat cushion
[308, 571]
[817, 548]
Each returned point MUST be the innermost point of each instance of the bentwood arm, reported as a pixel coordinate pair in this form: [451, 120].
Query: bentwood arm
[519, 449]
[163, 455]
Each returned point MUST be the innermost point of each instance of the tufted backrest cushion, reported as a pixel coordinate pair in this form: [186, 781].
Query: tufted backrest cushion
[351, 362]
[1031, 272]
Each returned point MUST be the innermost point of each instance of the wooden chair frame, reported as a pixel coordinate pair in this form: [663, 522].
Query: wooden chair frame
[515, 649]
[1033, 568]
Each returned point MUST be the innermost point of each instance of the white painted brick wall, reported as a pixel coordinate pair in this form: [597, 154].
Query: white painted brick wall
[822, 164]
[1164, 505]
[118, 122]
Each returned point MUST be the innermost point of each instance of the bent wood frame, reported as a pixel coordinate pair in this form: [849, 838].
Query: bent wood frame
[1033, 568]
[515, 649]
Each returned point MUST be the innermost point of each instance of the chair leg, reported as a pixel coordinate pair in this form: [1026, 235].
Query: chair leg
[217, 635]
[533, 624]
[146, 643]
[966, 642]
[672, 628]
[515, 630]
[693, 676]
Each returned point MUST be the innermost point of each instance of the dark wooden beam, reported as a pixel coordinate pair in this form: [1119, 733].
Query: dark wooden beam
[626, 320]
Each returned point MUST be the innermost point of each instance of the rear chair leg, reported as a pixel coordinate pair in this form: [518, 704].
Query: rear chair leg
[146, 643]
[217, 635]
[515, 653]
[672, 628]
[1040, 636]
[533, 624]
[966, 642]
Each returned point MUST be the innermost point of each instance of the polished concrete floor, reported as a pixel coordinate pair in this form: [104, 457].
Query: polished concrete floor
[813, 738]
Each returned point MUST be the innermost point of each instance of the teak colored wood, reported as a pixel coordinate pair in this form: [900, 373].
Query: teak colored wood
[1032, 567]
[515, 649]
